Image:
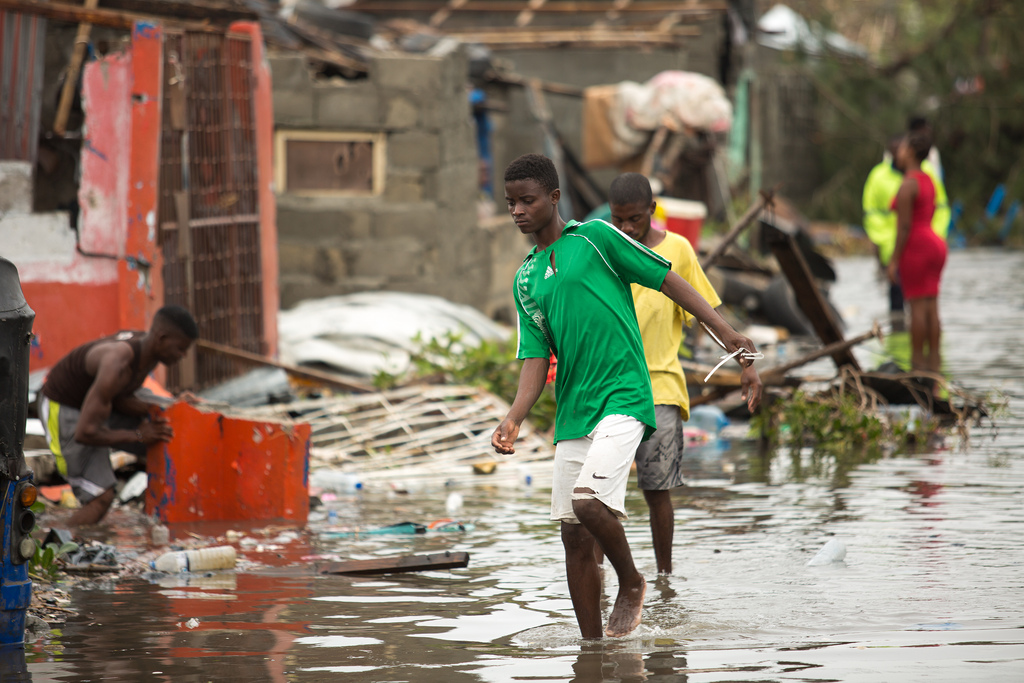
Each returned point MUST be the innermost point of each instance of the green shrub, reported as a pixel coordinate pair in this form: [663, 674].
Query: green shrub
[492, 366]
[44, 563]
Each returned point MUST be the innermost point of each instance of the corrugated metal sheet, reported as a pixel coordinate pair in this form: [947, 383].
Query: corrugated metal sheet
[22, 48]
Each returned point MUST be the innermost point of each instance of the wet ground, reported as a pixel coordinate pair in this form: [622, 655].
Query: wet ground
[931, 588]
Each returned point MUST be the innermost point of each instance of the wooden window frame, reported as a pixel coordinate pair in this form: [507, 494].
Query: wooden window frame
[282, 137]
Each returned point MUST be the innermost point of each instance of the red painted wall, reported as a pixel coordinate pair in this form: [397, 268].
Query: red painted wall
[79, 297]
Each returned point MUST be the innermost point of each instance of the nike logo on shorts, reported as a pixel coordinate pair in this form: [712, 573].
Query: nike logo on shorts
[598, 477]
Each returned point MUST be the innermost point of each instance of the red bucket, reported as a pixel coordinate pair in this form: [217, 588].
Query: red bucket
[684, 217]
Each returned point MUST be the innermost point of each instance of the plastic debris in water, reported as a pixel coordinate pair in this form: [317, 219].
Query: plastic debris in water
[454, 503]
[833, 551]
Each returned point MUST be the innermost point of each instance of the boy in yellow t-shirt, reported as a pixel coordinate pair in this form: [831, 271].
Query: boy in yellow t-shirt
[658, 460]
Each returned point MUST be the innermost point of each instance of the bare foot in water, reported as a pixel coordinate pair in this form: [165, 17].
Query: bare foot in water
[626, 613]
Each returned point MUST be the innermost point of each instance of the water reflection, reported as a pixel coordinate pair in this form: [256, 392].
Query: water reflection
[931, 571]
[13, 667]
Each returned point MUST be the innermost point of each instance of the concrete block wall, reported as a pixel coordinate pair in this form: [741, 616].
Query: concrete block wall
[421, 233]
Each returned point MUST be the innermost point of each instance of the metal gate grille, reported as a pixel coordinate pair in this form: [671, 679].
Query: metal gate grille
[209, 207]
[22, 48]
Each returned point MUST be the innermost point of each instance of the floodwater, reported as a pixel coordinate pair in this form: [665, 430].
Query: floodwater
[932, 587]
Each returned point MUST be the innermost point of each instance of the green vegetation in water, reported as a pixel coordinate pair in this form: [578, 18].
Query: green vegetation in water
[45, 562]
[828, 435]
[492, 366]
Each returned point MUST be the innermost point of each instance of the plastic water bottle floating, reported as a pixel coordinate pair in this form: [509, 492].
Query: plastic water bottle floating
[219, 557]
[333, 480]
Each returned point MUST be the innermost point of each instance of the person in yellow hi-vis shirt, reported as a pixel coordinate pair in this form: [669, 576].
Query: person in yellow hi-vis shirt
[658, 460]
[880, 189]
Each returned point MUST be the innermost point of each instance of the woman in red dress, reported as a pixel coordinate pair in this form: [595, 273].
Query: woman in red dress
[920, 254]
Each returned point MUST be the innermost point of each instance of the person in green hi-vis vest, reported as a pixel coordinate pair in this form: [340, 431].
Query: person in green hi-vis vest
[880, 189]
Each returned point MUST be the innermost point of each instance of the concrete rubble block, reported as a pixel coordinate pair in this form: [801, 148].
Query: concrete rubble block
[290, 72]
[414, 149]
[442, 113]
[455, 73]
[412, 73]
[322, 225]
[404, 185]
[329, 264]
[348, 106]
[455, 183]
[458, 144]
[293, 108]
[15, 187]
[400, 113]
[295, 258]
[388, 258]
[416, 221]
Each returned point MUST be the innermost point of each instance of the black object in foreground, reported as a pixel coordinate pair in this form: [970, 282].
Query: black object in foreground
[394, 565]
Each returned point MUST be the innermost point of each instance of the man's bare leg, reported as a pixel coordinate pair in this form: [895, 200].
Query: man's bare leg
[662, 527]
[93, 511]
[584, 578]
[607, 531]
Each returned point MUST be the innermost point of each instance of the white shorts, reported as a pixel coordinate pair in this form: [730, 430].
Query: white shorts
[599, 461]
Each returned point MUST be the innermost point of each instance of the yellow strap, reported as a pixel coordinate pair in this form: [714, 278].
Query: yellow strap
[53, 432]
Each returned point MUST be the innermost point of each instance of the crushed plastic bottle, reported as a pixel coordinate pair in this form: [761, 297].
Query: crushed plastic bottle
[454, 503]
[709, 418]
[833, 551]
[219, 557]
[333, 480]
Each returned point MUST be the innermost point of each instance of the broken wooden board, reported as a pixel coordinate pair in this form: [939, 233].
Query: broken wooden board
[395, 565]
[425, 428]
[810, 300]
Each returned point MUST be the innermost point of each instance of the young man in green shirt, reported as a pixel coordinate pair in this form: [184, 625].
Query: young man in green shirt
[573, 297]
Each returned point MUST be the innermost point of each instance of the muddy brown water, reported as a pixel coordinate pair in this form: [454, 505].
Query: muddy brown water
[932, 587]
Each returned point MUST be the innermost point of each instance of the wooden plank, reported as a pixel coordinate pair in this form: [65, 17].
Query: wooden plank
[810, 300]
[536, 6]
[514, 36]
[441, 15]
[325, 378]
[396, 565]
[67, 93]
[196, 10]
[76, 14]
[526, 16]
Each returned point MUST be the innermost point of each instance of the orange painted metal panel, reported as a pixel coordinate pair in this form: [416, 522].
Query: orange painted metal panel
[221, 468]
[264, 120]
[139, 298]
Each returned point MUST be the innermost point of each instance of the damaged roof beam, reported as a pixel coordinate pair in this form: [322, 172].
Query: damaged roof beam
[514, 37]
[518, 8]
[77, 14]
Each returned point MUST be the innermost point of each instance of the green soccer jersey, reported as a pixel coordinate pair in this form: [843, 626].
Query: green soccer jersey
[574, 299]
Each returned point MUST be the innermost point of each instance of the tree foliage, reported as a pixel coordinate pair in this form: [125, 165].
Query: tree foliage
[959, 64]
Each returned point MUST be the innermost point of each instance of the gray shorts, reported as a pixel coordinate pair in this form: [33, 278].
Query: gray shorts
[659, 460]
[86, 468]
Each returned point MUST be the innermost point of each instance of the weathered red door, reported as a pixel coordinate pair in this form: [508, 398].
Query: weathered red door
[209, 204]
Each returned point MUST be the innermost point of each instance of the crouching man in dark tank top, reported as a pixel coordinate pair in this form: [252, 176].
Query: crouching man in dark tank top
[89, 404]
